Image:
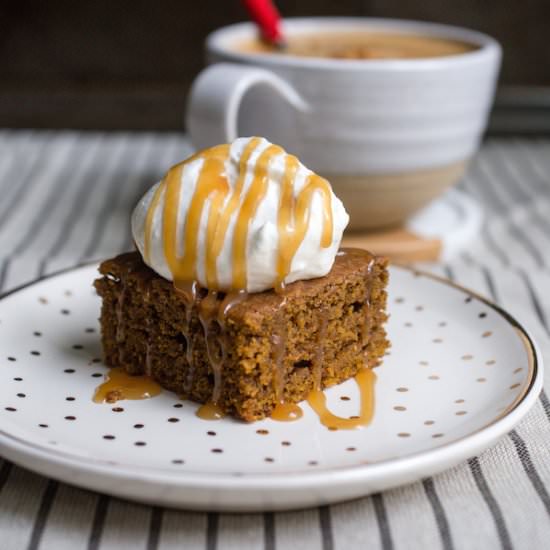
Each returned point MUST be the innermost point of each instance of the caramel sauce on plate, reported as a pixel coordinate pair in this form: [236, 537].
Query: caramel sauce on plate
[120, 385]
[212, 306]
[365, 379]
[210, 411]
[287, 412]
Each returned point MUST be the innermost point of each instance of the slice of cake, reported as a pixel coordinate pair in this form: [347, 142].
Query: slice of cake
[329, 329]
[238, 297]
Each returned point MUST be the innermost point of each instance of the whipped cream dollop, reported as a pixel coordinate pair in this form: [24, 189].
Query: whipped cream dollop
[245, 216]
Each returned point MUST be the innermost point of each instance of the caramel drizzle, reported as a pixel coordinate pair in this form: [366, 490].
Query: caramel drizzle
[365, 380]
[189, 294]
[148, 344]
[213, 188]
[120, 328]
[119, 384]
[319, 357]
[283, 411]
[294, 213]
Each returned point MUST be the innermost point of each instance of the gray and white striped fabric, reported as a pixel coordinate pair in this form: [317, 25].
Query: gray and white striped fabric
[65, 199]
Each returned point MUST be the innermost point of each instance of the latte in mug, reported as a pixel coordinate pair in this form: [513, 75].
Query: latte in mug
[361, 45]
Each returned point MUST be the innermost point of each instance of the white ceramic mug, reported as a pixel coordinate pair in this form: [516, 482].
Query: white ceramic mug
[389, 134]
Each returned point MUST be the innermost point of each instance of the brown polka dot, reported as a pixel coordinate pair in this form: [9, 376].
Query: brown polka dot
[42, 425]
[419, 308]
[117, 409]
[461, 413]
[403, 434]
[481, 380]
[12, 359]
[399, 408]
[36, 333]
[518, 370]
[490, 362]
[138, 426]
[96, 360]
[429, 422]
[68, 293]
[178, 405]
[69, 398]
[89, 329]
[10, 409]
[344, 398]
[399, 300]
[467, 357]
[514, 386]
[402, 389]
[351, 449]
[468, 299]
[78, 346]
[65, 312]
[42, 300]
[408, 325]
[486, 334]
[21, 395]
[18, 379]
[482, 315]
[269, 459]
[433, 377]
[312, 463]
[140, 443]
[262, 432]
[70, 418]
[437, 340]
[96, 375]
[178, 461]
[459, 401]
[69, 371]
[217, 451]
[285, 443]
[435, 436]
[110, 437]
[423, 363]
[211, 433]
[442, 324]
[173, 419]
[34, 352]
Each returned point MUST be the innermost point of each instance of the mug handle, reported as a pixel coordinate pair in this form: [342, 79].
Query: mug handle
[215, 98]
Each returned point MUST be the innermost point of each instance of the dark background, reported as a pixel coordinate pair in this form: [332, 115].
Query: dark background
[128, 65]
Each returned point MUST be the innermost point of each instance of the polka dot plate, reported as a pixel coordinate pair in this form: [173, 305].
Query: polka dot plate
[460, 374]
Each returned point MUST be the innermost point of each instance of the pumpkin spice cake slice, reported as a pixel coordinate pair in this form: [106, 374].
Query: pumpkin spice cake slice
[238, 297]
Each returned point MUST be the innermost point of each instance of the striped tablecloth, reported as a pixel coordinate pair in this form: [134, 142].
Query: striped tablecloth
[66, 197]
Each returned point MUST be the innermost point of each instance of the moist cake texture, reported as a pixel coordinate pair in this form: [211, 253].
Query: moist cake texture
[267, 348]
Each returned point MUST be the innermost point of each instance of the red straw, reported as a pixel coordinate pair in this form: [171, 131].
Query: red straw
[266, 16]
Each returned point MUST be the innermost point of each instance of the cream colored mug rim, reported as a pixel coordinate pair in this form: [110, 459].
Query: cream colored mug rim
[220, 41]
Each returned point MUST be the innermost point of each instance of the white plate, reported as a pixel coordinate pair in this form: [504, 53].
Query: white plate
[461, 373]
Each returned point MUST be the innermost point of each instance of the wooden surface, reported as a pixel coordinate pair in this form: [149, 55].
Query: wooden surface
[399, 245]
